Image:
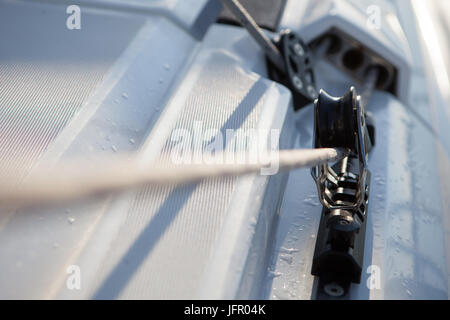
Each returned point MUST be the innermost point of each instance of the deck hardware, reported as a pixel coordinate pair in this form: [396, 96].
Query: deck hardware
[289, 59]
[343, 189]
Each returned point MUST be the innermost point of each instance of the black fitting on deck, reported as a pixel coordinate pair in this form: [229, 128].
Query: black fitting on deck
[298, 75]
[341, 122]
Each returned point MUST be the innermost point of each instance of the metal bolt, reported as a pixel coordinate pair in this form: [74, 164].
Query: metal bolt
[312, 92]
[297, 82]
[298, 49]
[333, 289]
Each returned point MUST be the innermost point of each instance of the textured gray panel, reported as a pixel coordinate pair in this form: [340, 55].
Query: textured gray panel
[167, 238]
[153, 243]
[47, 72]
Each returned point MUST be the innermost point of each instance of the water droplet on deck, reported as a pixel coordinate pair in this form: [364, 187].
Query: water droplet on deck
[274, 274]
[311, 201]
[286, 258]
[288, 250]
[70, 220]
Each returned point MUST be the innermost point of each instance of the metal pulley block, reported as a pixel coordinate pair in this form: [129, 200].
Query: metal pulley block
[343, 190]
[342, 123]
[289, 59]
[298, 73]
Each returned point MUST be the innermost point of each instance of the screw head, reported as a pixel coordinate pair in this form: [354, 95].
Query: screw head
[298, 49]
[297, 82]
[333, 289]
[312, 92]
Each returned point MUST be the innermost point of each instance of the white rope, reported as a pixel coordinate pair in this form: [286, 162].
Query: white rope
[81, 179]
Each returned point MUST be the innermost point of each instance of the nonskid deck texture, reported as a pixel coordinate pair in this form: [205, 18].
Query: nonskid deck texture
[168, 242]
[48, 73]
[138, 73]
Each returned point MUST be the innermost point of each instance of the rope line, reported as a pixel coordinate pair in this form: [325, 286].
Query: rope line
[79, 179]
